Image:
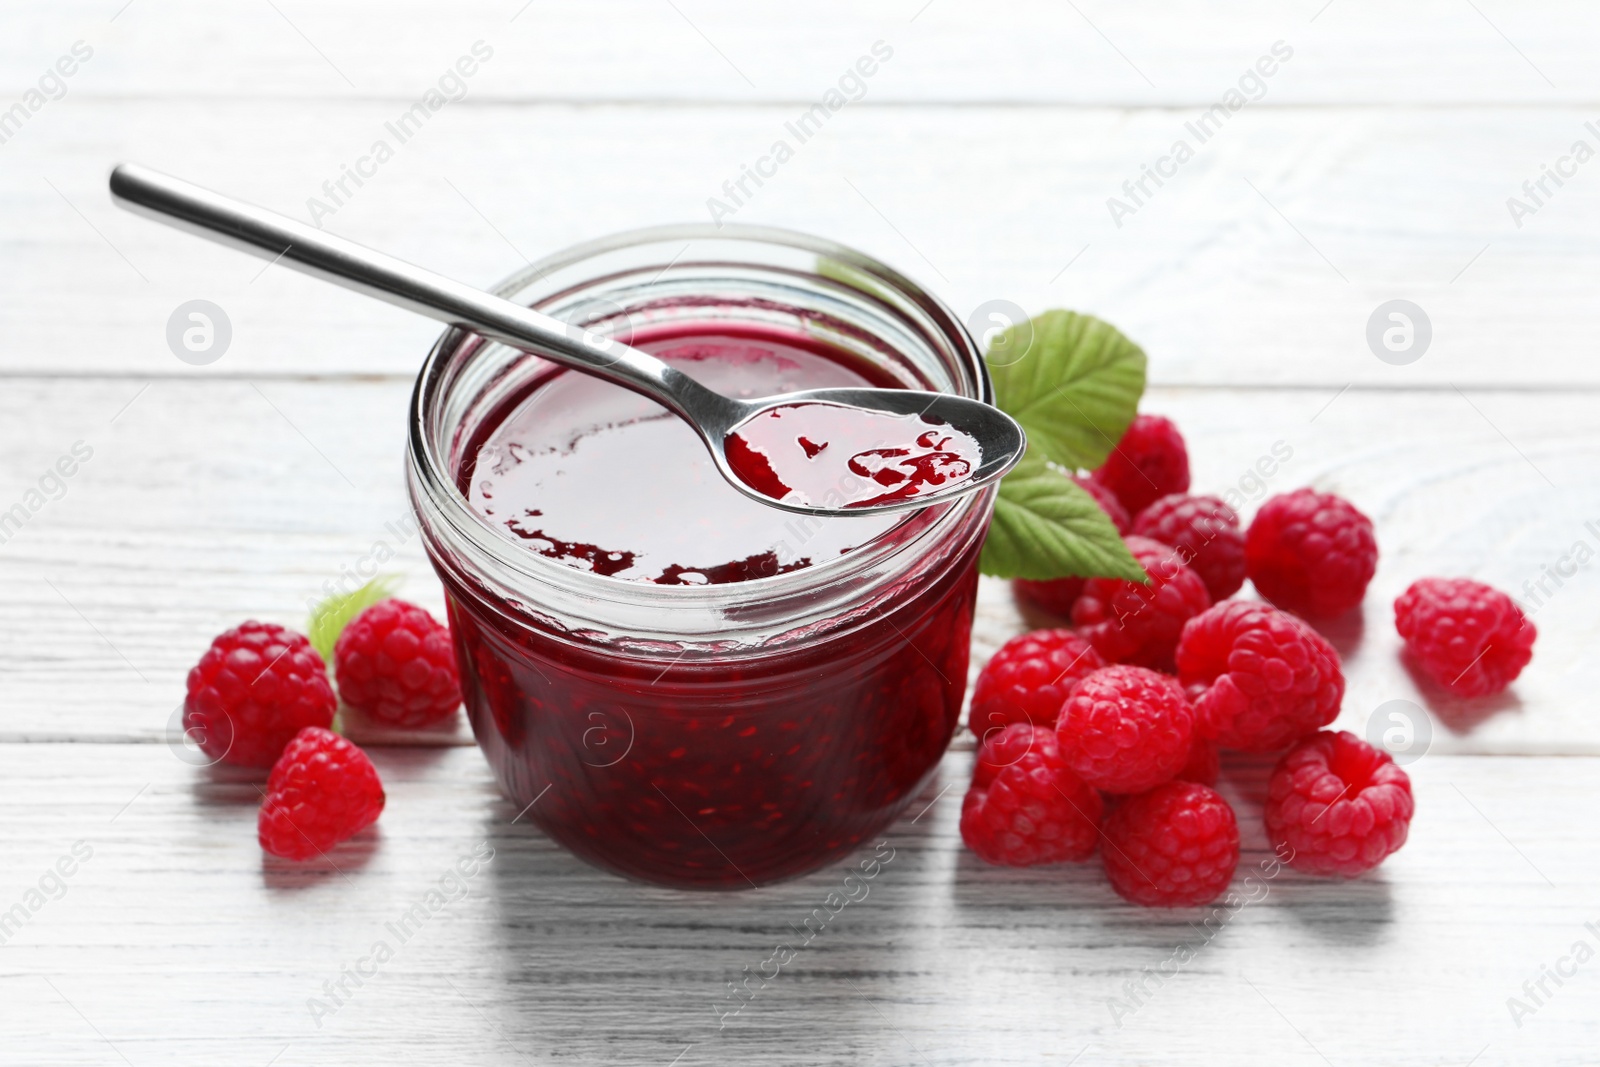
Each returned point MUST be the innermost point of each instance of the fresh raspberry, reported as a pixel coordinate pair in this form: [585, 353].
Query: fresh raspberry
[1029, 678]
[1006, 745]
[1025, 806]
[1468, 637]
[322, 790]
[1260, 678]
[1131, 622]
[1204, 764]
[1107, 500]
[1126, 729]
[1057, 595]
[1311, 553]
[395, 662]
[1339, 804]
[1172, 847]
[1149, 462]
[1206, 533]
[256, 687]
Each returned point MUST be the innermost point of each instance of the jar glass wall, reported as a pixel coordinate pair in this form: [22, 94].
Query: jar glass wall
[715, 735]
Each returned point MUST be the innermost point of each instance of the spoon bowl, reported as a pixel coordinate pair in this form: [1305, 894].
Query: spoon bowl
[999, 443]
[993, 441]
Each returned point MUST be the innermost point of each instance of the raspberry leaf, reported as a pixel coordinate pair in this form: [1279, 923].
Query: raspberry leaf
[1046, 526]
[1071, 380]
[329, 618]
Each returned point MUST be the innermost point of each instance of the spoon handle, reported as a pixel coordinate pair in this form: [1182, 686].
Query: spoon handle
[322, 255]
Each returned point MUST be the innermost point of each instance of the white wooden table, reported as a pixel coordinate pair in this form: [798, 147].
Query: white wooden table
[1376, 165]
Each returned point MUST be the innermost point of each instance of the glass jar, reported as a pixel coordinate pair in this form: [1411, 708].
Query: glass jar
[716, 735]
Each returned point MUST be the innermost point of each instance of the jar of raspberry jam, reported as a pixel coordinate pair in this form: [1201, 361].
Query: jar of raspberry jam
[679, 683]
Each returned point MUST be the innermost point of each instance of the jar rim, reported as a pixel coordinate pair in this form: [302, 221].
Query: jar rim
[437, 497]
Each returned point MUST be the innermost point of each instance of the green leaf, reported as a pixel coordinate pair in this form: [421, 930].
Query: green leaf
[1073, 382]
[329, 618]
[1045, 526]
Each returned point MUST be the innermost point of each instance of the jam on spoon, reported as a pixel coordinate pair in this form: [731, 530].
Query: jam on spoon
[836, 456]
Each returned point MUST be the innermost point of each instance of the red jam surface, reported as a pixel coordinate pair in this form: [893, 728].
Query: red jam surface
[837, 456]
[604, 480]
[701, 770]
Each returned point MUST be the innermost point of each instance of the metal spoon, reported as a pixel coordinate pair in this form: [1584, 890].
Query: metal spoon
[712, 415]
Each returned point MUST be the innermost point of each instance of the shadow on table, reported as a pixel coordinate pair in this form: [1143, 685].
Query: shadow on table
[608, 970]
[985, 890]
[226, 786]
[1357, 912]
[1460, 715]
[340, 862]
[437, 739]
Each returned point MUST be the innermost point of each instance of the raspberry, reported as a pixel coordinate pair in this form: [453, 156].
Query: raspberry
[1206, 533]
[1204, 764]
[1339, 804]
[1107, 500]
[1006, 745]
[1057, 595]
[1029, 678]
[322, 790]
[1311, 553]
[1149, 462]
[1126, 729]
[1261, 679]
[395, 662]
[1131, 622]
[1025, 807]
[255, 688]
[1172, 847]
[1468, 637]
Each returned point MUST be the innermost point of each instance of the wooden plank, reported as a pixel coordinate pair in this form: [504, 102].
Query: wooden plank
[1262, 261]
[208, 502]
[1096, 52]
[176, 942]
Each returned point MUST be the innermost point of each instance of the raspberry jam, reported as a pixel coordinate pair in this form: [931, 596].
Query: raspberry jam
[602, 479]
[819, 453]
[675, 681]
